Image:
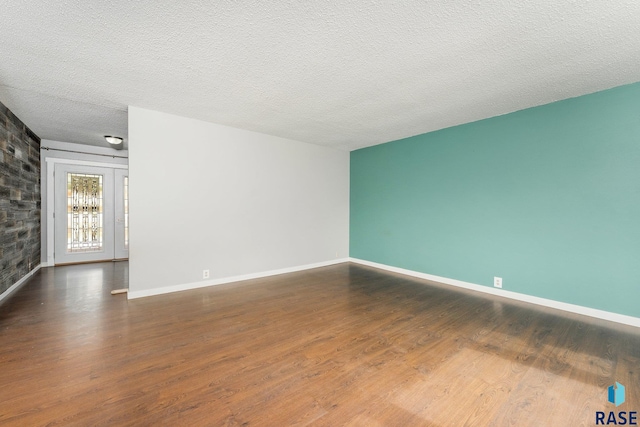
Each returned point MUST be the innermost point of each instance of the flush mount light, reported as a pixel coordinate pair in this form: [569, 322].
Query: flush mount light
[113, 140]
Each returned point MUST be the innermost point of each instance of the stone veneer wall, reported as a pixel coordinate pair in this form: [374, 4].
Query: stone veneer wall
[19, 199]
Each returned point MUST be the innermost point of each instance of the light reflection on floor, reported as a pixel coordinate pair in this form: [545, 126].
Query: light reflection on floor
[77, 291]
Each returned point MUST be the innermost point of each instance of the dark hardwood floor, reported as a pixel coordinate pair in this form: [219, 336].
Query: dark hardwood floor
[333, 346]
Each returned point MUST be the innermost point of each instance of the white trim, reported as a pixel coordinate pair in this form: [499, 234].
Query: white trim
[50, 215]
[86, 163]
[19, 283]
[578, 309]
[204, 284]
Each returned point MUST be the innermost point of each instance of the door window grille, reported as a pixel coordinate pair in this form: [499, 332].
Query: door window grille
[84, 212]
[126, 212]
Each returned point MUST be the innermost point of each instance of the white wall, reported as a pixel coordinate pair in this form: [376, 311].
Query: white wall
[236, 202]
[67, 151]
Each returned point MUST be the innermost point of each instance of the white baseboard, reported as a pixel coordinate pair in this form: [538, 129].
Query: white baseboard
[578, 309]
[19, 283]
[204, 284]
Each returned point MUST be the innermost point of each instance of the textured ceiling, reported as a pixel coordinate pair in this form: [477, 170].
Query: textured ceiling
[345, 74]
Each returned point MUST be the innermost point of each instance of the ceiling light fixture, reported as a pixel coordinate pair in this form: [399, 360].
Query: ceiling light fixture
[113, 140]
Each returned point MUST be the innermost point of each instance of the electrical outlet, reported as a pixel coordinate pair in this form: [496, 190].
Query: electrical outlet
[497, 282]
[205, 274]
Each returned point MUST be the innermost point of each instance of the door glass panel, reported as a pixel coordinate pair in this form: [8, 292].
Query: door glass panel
[126, 212]
[84, 213]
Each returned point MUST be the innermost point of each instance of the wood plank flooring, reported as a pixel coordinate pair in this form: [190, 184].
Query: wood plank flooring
[340, 345]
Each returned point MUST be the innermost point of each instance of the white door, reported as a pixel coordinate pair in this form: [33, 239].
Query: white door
[85, 214]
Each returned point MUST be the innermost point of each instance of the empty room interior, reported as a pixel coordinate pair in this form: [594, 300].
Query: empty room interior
[330, 213]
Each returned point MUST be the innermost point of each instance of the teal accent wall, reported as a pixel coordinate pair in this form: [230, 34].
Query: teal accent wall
[547, 198]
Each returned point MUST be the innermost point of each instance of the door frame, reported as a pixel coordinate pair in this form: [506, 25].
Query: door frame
[51, 162]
